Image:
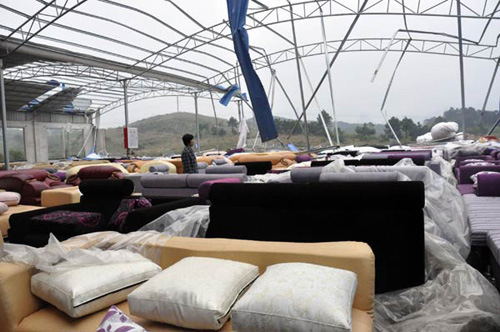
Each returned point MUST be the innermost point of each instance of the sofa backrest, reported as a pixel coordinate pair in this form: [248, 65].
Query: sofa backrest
[386, 215]
[256, 167]
[104, 195]
[464, 173]
[353, 256]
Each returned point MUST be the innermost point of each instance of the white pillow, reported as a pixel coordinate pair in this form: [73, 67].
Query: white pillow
[195, 293]
[297, 297]
[85, 290]
[10, 198]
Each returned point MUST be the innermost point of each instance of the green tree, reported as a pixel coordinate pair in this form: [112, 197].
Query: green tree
[366, 131]
[408, 126]
[327, 117]
[396, 125]
[233, 124]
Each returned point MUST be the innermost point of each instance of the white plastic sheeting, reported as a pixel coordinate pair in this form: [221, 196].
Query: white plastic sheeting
[455, 297]
[107, 247]
[444, 130]
[189, 222]
[55, 258]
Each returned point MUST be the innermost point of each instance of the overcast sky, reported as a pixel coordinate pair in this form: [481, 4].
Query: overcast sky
[425, 85]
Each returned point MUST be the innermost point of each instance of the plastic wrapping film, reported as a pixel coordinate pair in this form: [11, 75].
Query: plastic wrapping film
[108, 247]
[455, 297]
[55, 258]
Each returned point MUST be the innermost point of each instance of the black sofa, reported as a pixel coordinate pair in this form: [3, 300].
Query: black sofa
[386, 215]
[256, 167]
[101, 196]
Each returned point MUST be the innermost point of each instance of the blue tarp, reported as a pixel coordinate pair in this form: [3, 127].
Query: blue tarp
[237, 10]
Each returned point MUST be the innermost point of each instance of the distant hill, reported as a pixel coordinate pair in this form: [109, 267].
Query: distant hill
[161, 134]
[475, 120]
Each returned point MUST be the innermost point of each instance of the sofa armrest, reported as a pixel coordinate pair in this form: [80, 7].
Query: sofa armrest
[16, 300]
[20, 223]
[140, 217]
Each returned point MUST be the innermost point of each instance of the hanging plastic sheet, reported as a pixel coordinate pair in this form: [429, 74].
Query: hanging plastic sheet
[237, 11]
[231, 91]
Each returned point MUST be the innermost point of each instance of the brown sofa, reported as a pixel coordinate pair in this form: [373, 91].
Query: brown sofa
[22, 311]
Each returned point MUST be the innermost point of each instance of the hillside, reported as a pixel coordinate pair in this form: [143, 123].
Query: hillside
[161, 134]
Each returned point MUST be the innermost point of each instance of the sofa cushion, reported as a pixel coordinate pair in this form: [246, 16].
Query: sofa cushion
[78, 222]
[97, 172]
[116, 321]
[81, 291]
[306, 174]
[196, 292]
[10, 198]
[118, 218]
[204, 188]
[194, 180]
[159, 168]
[359, 177]
[32, 189]
[466, 189]
[297, 297]
[488, 184]
[106, 187]
[164, 180]
[14, 182]
[226, 169]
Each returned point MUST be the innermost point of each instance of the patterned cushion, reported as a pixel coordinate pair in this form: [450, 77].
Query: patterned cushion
[75, 221]
[129, 204]
[116, 321]
[297, 297]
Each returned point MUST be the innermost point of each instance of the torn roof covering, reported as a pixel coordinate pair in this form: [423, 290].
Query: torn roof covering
[174, 48]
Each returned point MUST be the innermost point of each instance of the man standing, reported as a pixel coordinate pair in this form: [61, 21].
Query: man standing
[189, 164]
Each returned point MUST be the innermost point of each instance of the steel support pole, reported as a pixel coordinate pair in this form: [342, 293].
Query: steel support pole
[332, 61]
[125, 106]
[4, 118]
[330, 82]
[297, 61]
[491, 84]
[196, 121]
[461, 61]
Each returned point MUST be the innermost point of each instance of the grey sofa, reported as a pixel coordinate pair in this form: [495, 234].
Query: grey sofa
[156, 185]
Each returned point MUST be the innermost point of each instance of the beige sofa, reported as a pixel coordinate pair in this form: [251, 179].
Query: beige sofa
[22, 311]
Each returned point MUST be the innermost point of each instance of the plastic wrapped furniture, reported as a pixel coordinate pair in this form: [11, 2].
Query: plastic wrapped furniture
[20, 310]
[322, 212]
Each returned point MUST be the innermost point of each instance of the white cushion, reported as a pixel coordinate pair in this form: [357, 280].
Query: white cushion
[195, 292]
[297, 297]
[85, 290]
[10, 198]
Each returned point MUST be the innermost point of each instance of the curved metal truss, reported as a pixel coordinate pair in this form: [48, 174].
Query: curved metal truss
[200, 50]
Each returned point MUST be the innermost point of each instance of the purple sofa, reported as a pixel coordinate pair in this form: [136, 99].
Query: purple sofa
[464, 173]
